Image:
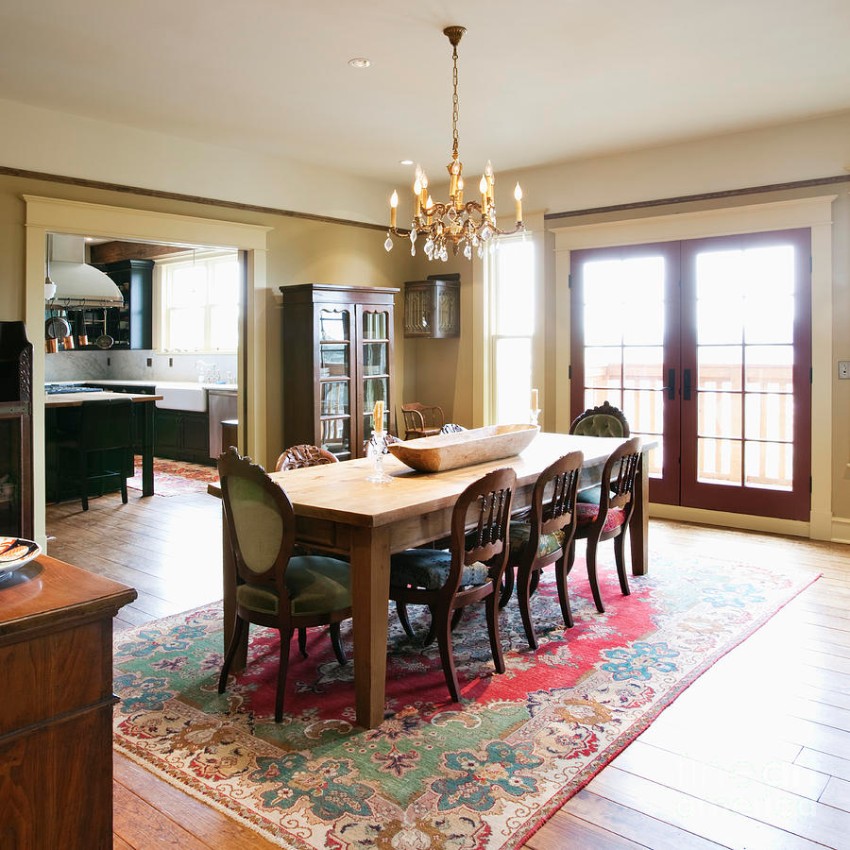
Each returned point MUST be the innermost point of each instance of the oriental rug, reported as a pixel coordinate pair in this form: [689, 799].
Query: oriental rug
[174, 477]
[483, 774]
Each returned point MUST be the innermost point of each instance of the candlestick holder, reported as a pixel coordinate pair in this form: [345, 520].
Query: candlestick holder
[534, 415]
[376, 448]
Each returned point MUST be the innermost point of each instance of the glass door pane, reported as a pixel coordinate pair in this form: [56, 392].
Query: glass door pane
[747, 340]
[335, 380]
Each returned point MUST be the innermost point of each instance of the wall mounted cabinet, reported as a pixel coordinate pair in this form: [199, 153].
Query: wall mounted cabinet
[432, 307]
[337, 362]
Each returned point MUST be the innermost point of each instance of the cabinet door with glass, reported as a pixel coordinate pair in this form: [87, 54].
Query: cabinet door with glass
[334, 335]
[374, 356]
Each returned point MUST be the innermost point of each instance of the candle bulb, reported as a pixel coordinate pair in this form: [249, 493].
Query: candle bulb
[534, 400]
[518, 199]
[393, 208]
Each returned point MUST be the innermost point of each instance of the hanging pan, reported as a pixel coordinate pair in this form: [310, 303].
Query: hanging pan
[104, 340]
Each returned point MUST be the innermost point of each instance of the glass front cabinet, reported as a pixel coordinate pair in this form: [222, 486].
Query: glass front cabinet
[337, 362]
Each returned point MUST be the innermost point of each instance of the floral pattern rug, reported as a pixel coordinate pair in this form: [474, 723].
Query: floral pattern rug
[174, 477]
[482, 774]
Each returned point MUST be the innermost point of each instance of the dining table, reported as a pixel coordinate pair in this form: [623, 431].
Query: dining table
[339, 511]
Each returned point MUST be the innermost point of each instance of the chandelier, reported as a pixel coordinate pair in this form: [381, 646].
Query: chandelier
[463, 225]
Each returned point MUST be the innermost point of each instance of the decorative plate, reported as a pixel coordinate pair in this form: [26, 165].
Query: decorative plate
[15, 552]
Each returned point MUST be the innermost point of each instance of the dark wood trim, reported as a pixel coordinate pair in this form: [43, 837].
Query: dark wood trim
[706, 196]
[177, 196]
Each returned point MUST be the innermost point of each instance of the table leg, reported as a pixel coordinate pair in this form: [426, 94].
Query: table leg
[370, 587]
[147, 448]
[228, 569]
[639, 526]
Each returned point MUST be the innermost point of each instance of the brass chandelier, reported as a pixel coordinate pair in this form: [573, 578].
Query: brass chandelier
[463, 225]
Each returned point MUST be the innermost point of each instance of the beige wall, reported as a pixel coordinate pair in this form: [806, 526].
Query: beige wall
[305, 251]
[299, 251]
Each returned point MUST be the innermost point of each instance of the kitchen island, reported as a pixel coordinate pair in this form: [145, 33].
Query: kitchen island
[57, 401]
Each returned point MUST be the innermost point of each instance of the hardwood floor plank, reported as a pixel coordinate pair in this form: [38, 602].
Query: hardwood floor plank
[734, 791]
[629, 823]
[205, 823]
[144, 826]
[837, 794]
[825, 763]
[707, 820]
[565, 830]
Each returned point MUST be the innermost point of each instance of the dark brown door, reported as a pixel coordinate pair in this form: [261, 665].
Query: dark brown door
[706, 346]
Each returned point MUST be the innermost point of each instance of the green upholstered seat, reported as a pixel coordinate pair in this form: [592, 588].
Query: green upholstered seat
[315, 584]
[428, 569]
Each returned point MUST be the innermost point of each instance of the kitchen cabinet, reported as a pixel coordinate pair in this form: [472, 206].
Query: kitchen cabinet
[138, 410]
[131, 326]
[337, 362]
[182, 435]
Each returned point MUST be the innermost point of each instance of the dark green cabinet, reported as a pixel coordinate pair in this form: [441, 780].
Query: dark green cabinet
[182, 435]
[131, 326]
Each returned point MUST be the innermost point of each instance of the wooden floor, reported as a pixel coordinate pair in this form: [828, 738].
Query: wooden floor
[756, 754]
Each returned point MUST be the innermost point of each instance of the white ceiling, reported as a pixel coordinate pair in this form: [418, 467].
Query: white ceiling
[540, 82]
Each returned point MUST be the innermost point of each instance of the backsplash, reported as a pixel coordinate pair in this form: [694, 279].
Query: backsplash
[133, 366]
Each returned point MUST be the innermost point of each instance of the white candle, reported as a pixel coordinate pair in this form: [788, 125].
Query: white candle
[378, 416]
[534, 400]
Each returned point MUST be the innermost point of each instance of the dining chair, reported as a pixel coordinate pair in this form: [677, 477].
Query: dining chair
[275, 588]
[543, 537]
[602, 421]
[296, 457]
[469, 572]
[304, 455]
[422, 420]
[99, 436]
[609, 517]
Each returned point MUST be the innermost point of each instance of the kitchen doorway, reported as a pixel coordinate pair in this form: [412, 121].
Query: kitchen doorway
[50, 215]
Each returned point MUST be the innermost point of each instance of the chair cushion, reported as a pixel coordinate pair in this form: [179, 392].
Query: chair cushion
[547, 544]
[316, 584]
[588, 513]
[428, 569]
[590, 495]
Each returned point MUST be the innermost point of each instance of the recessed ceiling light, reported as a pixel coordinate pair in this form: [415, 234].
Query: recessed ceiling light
[359, 62]
[405, 162]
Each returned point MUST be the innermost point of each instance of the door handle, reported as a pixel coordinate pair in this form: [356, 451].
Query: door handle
[686, 385]
[671, 384]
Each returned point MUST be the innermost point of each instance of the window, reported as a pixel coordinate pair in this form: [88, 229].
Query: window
[512, 283]
[200, 303]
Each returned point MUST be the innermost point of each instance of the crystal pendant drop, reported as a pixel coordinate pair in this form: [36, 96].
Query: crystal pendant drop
[388, 245]
[467, 251]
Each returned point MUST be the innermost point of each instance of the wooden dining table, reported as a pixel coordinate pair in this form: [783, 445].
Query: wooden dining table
[340, 512]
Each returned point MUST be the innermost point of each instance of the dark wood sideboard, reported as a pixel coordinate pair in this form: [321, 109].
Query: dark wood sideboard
[56, 707]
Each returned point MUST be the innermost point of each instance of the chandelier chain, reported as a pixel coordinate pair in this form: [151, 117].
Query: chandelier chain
[454, 104]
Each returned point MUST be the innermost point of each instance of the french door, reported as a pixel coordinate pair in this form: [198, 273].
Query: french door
[706, 346]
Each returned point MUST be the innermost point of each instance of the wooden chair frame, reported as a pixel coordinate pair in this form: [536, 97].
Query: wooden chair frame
[489, 499]
[552, 511]
[304, 454]
[604, 409]
[617, 490]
